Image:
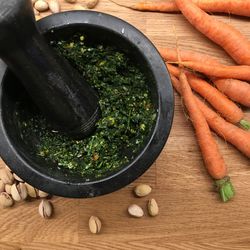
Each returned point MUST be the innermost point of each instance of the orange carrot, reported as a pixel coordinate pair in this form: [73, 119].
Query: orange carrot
[186, 55]
[236, 90]
[241, 72]
[227, 131]
[218, 100]
[213, 160]
[237, 7]
[229, 38]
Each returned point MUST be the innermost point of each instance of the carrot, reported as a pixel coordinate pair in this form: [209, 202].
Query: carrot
[241, 72]
[218, 100]
[186, 55]
[236, 90]
[229, 38]
[213, 160]
[237, 7]
[227, 131]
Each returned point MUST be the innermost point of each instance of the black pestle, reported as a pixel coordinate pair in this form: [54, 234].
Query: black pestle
[58, 90]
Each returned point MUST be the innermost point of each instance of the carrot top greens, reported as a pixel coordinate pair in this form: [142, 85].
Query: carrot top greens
[127, 118]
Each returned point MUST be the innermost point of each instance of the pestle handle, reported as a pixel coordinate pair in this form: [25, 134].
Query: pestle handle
[55, 87]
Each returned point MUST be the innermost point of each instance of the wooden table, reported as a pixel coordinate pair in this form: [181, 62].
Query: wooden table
[191, 215]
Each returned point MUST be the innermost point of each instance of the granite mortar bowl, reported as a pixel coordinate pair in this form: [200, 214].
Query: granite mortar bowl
[104, 29]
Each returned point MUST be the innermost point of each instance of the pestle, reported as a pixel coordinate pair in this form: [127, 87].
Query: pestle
[57, 89]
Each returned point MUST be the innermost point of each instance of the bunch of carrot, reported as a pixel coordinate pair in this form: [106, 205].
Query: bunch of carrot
[230, 83]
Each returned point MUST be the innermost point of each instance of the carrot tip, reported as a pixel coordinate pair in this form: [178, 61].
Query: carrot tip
[225, 188]
[245, 124]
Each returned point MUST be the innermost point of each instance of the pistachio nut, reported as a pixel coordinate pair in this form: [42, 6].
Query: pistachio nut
[5, 200]
[153, 208]
[7, 188]
[142, 190]
[6, 176]
[95, 224]
[42, 194]
[41, 5]
[2, 186]
[135, 211]
[91, 3]
[45, 209]
[32, 192]
[19, 191]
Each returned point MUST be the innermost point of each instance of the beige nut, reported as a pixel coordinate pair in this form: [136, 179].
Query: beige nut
[91, 3]
[135, 211]
[45, 209]
[19, 192]
[153, 208]
[32, 192]
[41, 5]
[17, 178]
[95, 224]
[7, 188]
[142, 190]
[42, 194]
[5, 200]
[54, 6]
[33, 1]
[2, 186]
[6, 176]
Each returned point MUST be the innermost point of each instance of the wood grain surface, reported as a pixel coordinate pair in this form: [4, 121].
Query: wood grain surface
[191, 215]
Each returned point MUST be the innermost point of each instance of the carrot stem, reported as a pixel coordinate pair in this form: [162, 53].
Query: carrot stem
[245, 124]
[225, 188]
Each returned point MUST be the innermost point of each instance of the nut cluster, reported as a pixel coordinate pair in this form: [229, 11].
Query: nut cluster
[14, 189]
[54, 6]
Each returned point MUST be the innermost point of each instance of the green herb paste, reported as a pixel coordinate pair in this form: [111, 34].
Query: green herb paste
[127, 118]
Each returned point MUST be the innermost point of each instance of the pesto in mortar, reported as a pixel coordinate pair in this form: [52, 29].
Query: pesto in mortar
[127, 117]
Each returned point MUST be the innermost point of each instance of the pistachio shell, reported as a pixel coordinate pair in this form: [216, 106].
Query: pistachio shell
[32, 192]
[153, 208]
[42, 194]
[142, 190]
[7, 188]
[6, 176]
[91, 3]
[17, 178]
[2, 186]
[54, 6]
[41, 5]
[5, 200]
[135, 211]
[45, 209]
[94, 225]
[19, 192]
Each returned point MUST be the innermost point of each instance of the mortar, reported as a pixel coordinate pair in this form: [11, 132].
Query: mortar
[100, 29]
